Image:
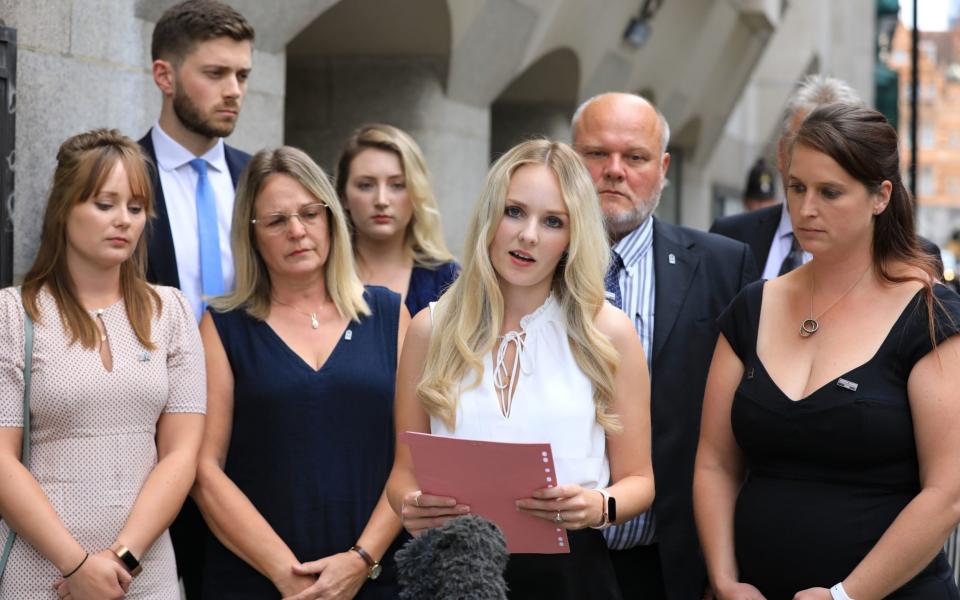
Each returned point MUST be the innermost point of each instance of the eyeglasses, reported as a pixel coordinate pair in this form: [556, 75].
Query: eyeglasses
[278, 222]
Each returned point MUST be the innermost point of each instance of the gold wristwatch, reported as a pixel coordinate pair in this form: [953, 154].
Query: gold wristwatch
[373, 565]
[130, 562]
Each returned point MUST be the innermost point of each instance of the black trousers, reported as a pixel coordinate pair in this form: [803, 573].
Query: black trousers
[639, 572]
[189, 535]
[584, 573]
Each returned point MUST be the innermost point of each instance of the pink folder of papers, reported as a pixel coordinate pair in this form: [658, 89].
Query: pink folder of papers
[490, 477]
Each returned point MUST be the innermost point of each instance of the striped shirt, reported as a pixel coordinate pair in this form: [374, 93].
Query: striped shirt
[637, 289]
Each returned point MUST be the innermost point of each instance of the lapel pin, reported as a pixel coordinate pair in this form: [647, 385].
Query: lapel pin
[144, 356]
[348, 335]
[847, 385]
[672, 258]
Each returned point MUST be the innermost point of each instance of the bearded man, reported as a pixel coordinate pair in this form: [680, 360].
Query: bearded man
[202, 54]
[672, 282]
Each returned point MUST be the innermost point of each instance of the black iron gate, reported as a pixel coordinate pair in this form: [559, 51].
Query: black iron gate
[8, 104]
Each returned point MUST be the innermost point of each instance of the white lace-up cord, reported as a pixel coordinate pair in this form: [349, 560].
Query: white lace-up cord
[506, 388]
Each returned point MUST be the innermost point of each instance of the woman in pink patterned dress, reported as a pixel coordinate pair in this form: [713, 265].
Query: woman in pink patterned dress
[117, 396]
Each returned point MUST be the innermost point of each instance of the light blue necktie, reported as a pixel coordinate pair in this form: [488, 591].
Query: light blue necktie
[208, 230]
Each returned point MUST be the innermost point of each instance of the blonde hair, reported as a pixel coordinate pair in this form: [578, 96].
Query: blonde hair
[84, 162]
[424, 237]
[467, 318]
[252, 291]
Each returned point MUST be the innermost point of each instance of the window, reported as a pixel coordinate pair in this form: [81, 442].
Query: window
[953, 186]
[928, 185]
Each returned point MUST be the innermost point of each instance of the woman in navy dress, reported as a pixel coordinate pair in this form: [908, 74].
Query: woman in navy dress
[382, 181]
[298, 444]
[828, 459]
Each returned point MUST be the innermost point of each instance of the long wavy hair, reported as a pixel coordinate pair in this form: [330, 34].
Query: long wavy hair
[424, 236]
[252, 291]
[84, 162]
[865, 145]
[468, 317]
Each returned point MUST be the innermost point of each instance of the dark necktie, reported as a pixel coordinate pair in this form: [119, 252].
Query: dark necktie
[612, 280]
[794, 258]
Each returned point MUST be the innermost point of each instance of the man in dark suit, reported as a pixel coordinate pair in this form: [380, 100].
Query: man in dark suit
[673, 282]
[202, 53]
[768, 231]
[755, 228]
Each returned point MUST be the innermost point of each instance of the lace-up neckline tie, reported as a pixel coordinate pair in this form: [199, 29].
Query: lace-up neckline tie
[504, 379]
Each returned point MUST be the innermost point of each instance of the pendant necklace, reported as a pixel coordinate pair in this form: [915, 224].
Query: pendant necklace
[811, 325]
[314, 323]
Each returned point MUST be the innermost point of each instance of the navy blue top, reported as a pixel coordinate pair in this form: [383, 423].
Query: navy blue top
[311, 449]
[828, 474]
[427, 285]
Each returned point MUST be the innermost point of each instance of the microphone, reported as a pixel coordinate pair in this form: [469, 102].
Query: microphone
[465, 558]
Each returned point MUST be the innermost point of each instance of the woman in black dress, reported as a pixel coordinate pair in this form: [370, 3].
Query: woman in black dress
[383, 182]
[829, 460]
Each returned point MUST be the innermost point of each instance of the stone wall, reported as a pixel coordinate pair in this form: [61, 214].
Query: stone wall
[84, 64]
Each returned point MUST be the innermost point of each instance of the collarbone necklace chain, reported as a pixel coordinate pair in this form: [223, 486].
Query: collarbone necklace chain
[811, 325]
[314, 323]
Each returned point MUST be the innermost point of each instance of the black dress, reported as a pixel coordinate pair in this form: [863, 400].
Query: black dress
[310, 449]
[827, 475]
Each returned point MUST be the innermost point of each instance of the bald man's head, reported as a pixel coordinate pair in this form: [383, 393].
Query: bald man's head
[615, 97]
[622, 139]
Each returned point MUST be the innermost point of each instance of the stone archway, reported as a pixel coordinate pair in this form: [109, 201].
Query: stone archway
[538, 103]
[363, 61]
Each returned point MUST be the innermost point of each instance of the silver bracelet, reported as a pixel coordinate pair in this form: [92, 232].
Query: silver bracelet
[838, 593]
[604, 516]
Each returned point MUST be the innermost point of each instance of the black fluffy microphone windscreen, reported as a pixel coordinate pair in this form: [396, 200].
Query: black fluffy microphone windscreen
[464, 559]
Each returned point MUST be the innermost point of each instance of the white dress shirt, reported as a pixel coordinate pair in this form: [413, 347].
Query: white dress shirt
[780, 246]
[552, 402]
[638, 293]
[179, 182]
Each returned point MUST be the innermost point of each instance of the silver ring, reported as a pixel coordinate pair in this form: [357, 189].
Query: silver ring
[416, 499]
[558, 518]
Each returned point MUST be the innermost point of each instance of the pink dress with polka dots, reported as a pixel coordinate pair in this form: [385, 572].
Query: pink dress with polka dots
[93, 431]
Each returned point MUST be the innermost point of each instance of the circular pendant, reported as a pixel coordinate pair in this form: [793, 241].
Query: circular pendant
[809, 327]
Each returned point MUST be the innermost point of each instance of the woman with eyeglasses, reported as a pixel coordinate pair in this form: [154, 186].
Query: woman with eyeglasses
[299, 437]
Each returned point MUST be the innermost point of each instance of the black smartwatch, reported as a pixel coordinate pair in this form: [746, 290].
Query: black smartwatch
[373, 565]
[609, 510]
[130, 562]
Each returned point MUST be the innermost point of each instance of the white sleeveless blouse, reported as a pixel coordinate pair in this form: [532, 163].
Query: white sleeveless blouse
[552, 402]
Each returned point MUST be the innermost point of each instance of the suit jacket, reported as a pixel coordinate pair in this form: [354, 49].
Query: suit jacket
[757, 228]
[161, 257]
[754, 228]
[697, 275]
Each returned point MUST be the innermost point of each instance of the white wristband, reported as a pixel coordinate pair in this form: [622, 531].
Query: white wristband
[838, 593]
